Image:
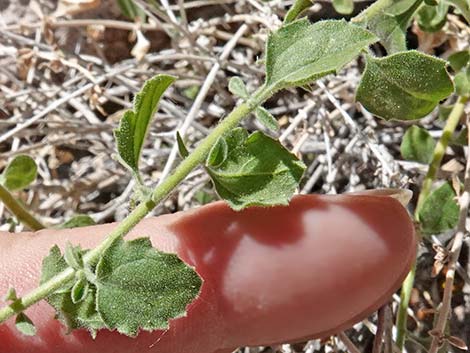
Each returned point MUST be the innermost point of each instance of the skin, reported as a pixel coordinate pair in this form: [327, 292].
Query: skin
[270, 274]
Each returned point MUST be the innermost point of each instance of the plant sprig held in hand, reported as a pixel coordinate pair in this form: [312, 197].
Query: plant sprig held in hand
[98, 288]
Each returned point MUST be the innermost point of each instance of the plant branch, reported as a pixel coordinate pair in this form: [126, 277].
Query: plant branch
[402, 315]
[18, 210]
[439, 151]
[379, 334]
[348, 343]
[454, 254]
[160, 192]
[201, 96]
[434, 166]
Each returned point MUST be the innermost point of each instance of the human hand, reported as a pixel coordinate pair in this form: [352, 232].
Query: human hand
[270, 274]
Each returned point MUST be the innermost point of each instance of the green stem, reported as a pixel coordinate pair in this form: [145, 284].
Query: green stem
[197, 157]
[18, 210]
[402, 315]
[439, 152]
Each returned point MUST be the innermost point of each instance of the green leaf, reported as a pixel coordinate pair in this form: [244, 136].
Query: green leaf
[78, 221]
[19, 173]
[204, 197]
[300, 53]
[431, 2]
[390, 22]
[440, 211]
[343, 7]
[258, 171]
[131, 10]
[218, 153]
[11, 295]
[183, 151]
[462, 83]
[459, 60]
[25, 325]
[80, 289]
[460, 138]
[444, 111]
[237, 87]
[142, 288]
[135, 123]
[297, 9]
[417, 145]
[404, 86]
[191, 91]
[266, 118]
[432, 18]
[73, 256]
[74, 315]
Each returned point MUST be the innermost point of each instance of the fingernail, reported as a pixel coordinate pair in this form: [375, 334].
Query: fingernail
[402, 195]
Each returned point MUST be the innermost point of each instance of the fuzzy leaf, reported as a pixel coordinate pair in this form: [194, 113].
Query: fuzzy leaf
[266, 118]
[417, 145]
[218, 153]
[258, 171]
[343, 7]
[73, 315]
[404, 86]
[300, 52]
[139, 287]
[440, 211]
[183, 151]
[73, 256]
[462, 83]
[444, 111]
[390, 22]
[79, 290]
[237, 87]
[459, 60]
[432, 18]
[19, 173]
[78, 221]
[460, 138]
[135, 123]
[25, 325]
[297, 9]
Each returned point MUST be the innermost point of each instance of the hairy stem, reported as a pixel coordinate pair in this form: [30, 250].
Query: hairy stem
[18, 210]
[197, 157]
[438, 154]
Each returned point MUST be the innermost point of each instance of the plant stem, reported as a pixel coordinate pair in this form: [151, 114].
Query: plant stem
[160, 192]
[439, 151]
[18, 210]
[438, 154]
[402, 315]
